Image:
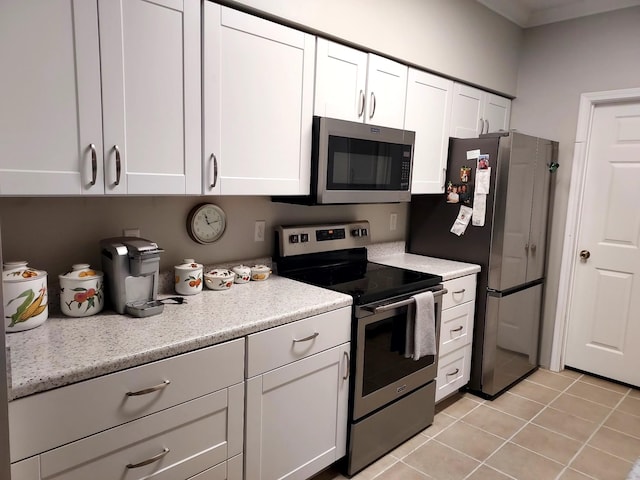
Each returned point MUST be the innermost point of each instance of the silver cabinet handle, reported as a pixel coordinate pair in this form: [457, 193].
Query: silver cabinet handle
[457, 329]
[215, 170]
[94, 164]
[526, 247]
[487, 123]
[481, 126]
[155, 458]
[373, 105]
[454, 372]
[533, 248]
[306, 339]
[459, 291]
[146, 391]
[346, 358]
[118, 165]
[361, 109]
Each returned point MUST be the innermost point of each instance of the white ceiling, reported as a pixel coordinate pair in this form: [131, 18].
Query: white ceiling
[530, 13]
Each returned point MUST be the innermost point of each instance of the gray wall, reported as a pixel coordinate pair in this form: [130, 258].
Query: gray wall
[559, 62]
[461, 39]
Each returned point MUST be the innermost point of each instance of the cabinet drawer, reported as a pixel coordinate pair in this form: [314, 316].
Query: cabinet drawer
[456, 327]
[50, 419]
[460, 290]
[179, 442]
[229, 470]
[285, 344]
[453, 372]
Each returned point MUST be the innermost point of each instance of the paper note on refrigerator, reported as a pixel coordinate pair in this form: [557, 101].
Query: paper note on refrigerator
[471, 154]
[462, 221]
[479, 209]
[483, 178]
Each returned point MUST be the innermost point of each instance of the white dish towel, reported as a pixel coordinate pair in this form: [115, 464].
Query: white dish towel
[421, 327]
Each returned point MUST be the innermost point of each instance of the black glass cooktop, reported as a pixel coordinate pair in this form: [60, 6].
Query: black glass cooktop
[365, 281]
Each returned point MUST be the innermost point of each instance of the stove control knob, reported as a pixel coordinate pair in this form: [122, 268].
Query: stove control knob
[304, 237]
[293, 238]
[363, 232]
[355, 232]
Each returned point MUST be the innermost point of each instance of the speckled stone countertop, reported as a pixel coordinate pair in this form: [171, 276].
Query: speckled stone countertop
[66, 350]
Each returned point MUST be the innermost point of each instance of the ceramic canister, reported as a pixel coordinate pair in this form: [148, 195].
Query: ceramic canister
[25, 296]
[81, 291]
[260, 272]
[243, 273]
[219, 279]
[188, 277]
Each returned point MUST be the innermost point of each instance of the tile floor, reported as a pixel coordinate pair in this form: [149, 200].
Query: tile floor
[564, 426]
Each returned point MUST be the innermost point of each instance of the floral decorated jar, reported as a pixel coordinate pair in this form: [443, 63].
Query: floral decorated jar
[25, 296]
[81, 291]
[188, 277]
[260, 272]
[243, 273]
[219, 279]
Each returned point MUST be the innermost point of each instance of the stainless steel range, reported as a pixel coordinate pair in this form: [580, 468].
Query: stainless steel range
[392, 397]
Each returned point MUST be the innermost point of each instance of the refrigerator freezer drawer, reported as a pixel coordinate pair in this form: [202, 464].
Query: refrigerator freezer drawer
[512, 327]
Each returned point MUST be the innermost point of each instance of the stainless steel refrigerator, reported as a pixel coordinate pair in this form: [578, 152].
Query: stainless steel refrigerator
[510, 246]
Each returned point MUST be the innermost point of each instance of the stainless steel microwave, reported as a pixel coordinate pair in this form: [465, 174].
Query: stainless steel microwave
[358, 163]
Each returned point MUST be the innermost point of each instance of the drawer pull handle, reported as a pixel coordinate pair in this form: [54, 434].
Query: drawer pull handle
[145, 391]
[346, 358]
[459, 291]
[306, 339]
[454, 372]
[457, 329]
[155, 458]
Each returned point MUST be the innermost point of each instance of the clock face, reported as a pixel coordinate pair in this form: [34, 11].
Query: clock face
[206, 223]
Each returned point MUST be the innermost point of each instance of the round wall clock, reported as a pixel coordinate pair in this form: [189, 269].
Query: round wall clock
[206, 223]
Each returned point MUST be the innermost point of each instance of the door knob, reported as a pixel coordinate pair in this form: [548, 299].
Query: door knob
[584, 254]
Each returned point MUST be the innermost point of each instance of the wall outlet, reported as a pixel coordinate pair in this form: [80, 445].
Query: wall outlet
[131, 232]
[393, 221]
[258, 235]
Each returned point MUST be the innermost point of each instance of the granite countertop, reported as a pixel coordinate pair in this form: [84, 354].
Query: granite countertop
[66, 350]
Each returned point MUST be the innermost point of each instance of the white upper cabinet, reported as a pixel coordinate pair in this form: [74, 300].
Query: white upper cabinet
[73, 92]
[50, 112]
[353, 85]
[475, 112]
[428, 114]
[150, 59]
[258, 105]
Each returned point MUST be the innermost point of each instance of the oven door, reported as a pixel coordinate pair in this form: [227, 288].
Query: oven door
[382, 372]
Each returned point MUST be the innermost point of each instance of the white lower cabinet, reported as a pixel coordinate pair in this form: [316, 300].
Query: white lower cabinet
[28, 469]
[296, 414]
[456, 334]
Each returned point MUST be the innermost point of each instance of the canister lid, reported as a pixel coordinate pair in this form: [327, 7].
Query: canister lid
[220, 272]
[189, 264]
[81, 271]
[20, 271]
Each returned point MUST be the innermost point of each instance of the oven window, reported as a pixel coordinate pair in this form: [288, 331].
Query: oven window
[384, 349]
[356, 164]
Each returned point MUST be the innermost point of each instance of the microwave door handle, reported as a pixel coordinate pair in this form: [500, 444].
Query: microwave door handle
[401, 303]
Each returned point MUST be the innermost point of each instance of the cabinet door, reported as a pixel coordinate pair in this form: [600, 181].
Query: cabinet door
[428, 114]
[466, 112]
[496, 113]
[386, 92]
[28, 469]
[150, 60]
[258, 104]
[50, 113]
[297, 417]
[341, 78]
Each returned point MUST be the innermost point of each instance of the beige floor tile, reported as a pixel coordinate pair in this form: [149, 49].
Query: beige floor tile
[376, 468]
[616, 387]
[569, 373]
[440, 422]
[616, 443]
[402, 471]
[634, 392]
[570, 474]
[595, 393]
[550, 379]
[410, 445]
[523, 464]
[487, 473]
[534, 391]
[441, 462]
[580, 407]
[547, 443]
[516, 406]
[493, 421]
[569, 425]
[470, 440]
[461, 407]
[601, 465]
[630, 405]
[624, 422]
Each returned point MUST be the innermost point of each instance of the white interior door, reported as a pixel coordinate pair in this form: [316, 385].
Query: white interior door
[604, 311]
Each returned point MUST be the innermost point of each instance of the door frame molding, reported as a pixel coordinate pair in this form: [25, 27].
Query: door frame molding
[588, 102]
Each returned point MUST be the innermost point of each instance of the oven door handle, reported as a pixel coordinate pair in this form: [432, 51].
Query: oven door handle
[401, 303]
